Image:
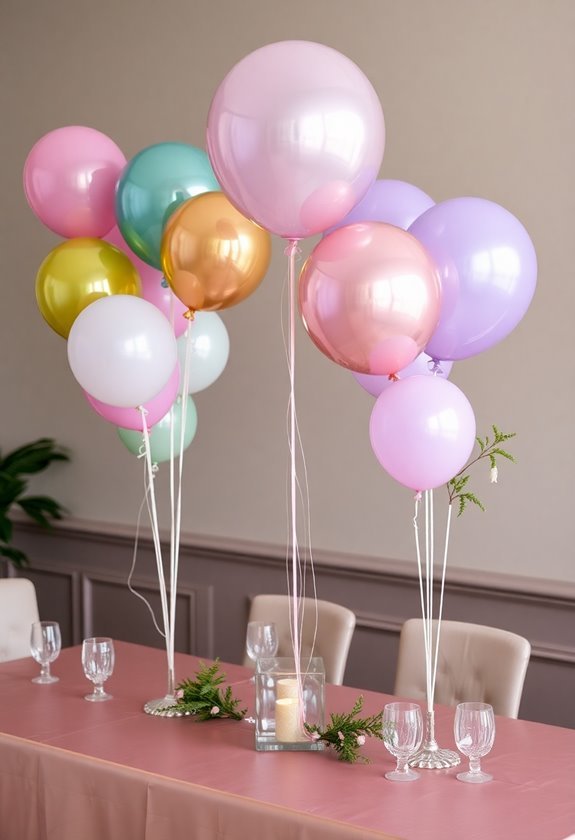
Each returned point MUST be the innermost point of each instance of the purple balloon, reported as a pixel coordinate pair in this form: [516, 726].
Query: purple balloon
[422, 365]
[488, 270]
[422, 431]
[395, 202]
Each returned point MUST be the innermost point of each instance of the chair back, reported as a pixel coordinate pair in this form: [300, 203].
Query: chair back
[335, 626]
[474, 663]
[18, 611]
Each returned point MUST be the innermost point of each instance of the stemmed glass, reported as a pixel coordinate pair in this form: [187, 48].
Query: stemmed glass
[98, 664]
[403, 733]
[474, 731]
[45, 645]
[261, 639]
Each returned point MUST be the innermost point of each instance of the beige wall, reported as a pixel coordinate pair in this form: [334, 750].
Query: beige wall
[478, 99]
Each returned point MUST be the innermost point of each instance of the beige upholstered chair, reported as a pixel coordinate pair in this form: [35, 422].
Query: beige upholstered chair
[474, 663]
[18, 611]
[335, 626]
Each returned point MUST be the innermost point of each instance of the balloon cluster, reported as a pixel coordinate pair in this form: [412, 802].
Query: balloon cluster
[398, 287]
[148, 242]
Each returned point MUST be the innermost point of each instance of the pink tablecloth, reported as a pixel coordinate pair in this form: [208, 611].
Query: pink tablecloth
[72, 770]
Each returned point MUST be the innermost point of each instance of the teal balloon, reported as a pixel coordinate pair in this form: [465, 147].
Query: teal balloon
[154, 184]
[160, 433]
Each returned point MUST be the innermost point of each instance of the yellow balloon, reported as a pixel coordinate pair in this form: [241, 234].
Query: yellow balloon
[212, 256]
[78, 272]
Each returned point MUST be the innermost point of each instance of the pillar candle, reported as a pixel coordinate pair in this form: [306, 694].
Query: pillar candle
[287, 688]
[288, 720]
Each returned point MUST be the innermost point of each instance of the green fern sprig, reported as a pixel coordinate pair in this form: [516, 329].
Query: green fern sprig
[204, 698]
[490, 449]
[346, 733]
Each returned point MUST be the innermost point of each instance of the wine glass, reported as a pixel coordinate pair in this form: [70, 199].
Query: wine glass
[261, 639]
[98, 664]
[403, 733]
[474, 731]
[45, 645]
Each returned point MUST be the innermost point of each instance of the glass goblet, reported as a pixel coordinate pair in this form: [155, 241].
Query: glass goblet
[261, 639]
[45, 645]
[474, 731]
[98, 664]
[403, 733]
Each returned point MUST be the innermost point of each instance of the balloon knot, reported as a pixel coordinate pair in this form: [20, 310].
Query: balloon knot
[393, 377]
[292, 248]
[164, 283]
[190, 314]
[417, 496]
[434, 367]
[142, 409]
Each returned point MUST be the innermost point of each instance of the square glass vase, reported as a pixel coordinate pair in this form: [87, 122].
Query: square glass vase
[278, 714]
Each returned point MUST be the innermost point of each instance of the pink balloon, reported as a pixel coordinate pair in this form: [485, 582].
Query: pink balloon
[295, 136]
[70, 178]
[369, 296]
[131, 418]
[423, 365]
[422, 431]
[155, 288]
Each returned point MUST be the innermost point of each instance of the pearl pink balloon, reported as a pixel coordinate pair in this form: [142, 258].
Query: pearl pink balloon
[70, 178]
[295, 136]
[131, 418]
[369, 296]
[155, 287]
[422, 431]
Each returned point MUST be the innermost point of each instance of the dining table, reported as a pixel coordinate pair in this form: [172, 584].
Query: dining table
[76, 770]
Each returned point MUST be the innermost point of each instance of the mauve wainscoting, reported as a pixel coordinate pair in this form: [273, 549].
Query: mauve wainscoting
[80, 571]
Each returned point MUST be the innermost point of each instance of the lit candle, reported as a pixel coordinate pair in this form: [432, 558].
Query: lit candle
[287, 688]
[288, 720]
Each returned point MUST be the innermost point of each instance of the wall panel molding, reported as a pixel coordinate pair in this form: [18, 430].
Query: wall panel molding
[81, 571]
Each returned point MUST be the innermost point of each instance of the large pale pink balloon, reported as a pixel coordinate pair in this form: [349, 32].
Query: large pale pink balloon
[369, 296]
[155, 288]
[131, 418]
[70, 178]
[295, 136]
[422, 431]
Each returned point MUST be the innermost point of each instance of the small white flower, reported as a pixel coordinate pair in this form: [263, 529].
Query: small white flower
[494, 475]
[361, 740]
[180, 694]
[315, 736]
[341, 736]
[215, 710]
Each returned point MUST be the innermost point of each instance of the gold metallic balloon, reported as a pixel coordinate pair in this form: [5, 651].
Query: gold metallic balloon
[212, 256]
[78, 272]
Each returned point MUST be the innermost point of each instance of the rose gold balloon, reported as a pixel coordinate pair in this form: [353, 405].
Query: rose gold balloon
[370, 296]
[212, 256]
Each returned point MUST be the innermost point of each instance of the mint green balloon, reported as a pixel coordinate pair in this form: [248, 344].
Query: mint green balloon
[154, 184]
[160, 433]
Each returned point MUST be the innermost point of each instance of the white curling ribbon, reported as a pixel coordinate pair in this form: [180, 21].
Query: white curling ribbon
[288, 727]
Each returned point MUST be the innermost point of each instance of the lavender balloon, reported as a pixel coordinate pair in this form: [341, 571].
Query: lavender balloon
[423, 365]
[295, 136]
[488, 270]
[422, 431]
[395, 202]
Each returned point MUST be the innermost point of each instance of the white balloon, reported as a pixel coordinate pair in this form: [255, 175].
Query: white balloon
[122, 350]
[209, 348]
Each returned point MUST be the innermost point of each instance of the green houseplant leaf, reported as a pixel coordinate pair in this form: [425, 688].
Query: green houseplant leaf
[24, 461]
